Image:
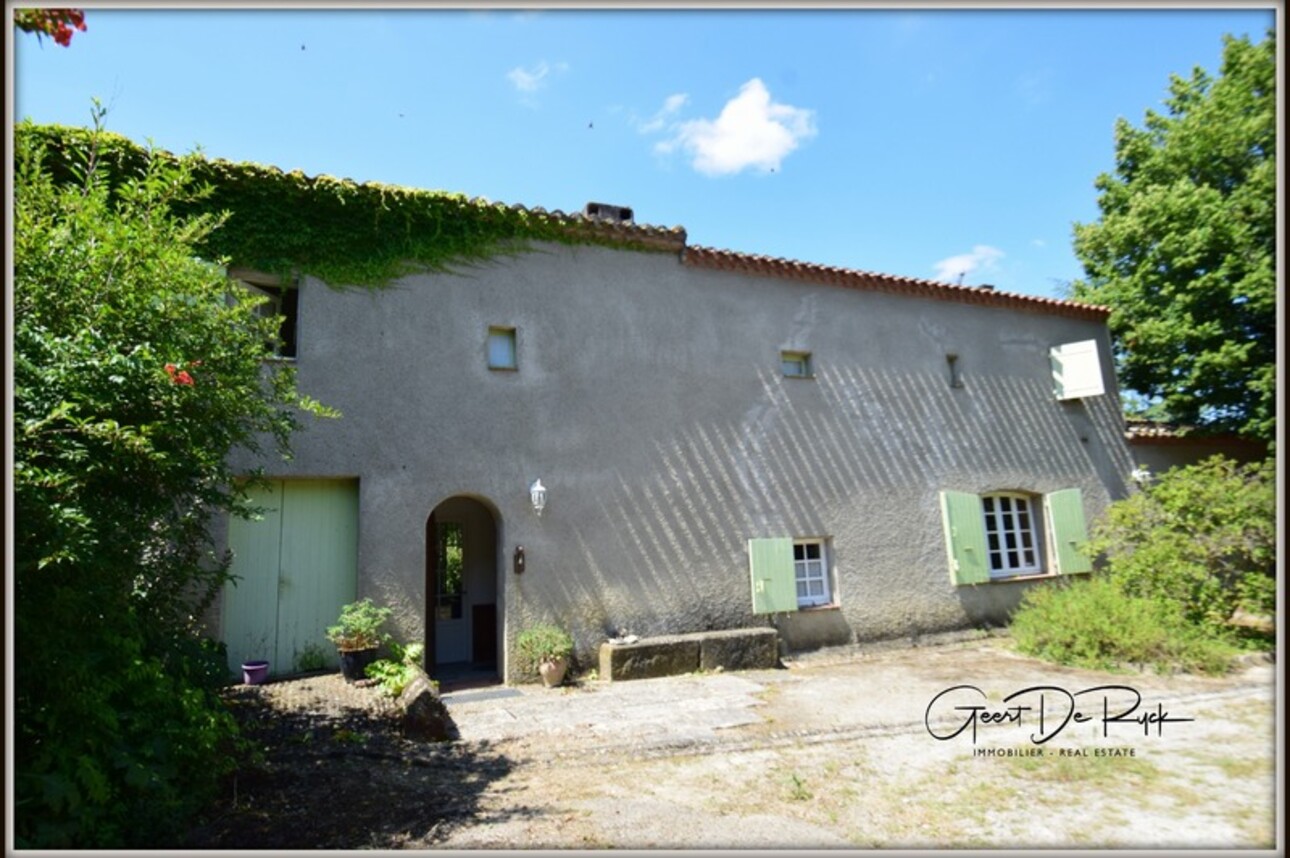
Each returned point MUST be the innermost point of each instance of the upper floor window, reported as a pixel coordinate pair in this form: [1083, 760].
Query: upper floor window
[284, 303]
[501, 348]
[795, 364]
[279, 300]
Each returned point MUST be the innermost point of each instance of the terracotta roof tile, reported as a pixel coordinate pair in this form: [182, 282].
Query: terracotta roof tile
[674, 238]
[1142, 431]
[1135, 428]
[726, 260]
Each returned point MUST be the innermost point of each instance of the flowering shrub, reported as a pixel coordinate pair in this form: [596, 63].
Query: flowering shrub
[119, 460]
[58, 23]
[180, 376]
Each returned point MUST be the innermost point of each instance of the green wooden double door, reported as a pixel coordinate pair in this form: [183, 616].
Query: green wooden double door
[296, 566]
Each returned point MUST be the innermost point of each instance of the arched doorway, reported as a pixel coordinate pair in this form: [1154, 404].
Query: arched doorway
[462, 617]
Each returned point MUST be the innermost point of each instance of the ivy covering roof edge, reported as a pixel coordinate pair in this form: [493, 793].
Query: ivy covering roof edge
[347, 233]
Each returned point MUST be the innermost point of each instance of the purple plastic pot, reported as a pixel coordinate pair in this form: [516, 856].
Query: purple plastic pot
[255, 672]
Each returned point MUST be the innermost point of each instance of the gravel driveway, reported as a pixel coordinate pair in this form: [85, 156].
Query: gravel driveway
[842, 749]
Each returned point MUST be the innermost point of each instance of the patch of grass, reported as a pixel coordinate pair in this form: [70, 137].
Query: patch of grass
[797, 790]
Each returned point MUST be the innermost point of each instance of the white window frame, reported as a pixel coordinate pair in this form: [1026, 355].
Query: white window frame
[495, 335]
[796, 364]
[1006, 534]
[812, 570]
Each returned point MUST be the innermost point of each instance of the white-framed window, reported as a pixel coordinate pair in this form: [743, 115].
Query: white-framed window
[501, 348]
[795, 364]
[811, 573]
[1011, 536]
[790, 573]
[1001, 535]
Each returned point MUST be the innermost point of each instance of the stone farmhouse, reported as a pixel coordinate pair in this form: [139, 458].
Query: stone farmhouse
[641, 436]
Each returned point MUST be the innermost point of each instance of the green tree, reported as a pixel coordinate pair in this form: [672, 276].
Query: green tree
[1185, 251]
[138, 367]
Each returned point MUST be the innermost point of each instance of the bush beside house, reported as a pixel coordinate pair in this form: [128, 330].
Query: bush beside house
[1180, 561]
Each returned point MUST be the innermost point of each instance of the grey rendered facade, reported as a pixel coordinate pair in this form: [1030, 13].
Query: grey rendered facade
[649, 397]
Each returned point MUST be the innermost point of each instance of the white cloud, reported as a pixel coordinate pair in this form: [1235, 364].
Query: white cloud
[659, 120]
[751, 131]
[535, 78]
[982, 257]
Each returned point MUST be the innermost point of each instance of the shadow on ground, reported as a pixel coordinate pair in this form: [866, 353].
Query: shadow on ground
[346, 779]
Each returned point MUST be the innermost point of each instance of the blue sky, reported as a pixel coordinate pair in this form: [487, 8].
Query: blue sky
[920, 142]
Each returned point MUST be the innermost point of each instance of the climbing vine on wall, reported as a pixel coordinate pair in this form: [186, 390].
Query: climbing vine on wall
[344, 232]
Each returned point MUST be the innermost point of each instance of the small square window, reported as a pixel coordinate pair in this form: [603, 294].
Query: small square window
[795, 364]
[501, 348]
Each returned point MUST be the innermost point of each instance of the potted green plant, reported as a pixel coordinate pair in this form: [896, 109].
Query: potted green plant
[358, 636]
[545, 649]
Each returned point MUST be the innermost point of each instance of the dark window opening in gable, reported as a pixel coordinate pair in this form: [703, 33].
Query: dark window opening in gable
[283, 301]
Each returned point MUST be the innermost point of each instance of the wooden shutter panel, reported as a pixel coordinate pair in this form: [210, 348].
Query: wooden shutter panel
[319, 567]
[1066, 524]
[770, 565]
[249, 612]
[964, 527]
[1077, 370]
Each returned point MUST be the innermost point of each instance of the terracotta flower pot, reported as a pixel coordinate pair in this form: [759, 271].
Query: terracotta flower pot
[552, 671]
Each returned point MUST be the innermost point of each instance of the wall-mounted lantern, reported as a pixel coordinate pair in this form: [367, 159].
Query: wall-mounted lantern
[537, 494]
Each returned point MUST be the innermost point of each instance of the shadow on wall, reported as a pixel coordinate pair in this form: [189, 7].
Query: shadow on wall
[663, 547]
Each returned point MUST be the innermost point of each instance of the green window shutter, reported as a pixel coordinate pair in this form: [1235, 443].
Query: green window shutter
[770, 564]
[1066, 523]
[964, 527]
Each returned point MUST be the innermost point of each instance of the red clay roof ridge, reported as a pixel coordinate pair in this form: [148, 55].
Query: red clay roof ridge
[729, 260]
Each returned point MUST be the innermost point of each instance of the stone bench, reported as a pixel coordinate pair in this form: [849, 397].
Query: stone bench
[669, 655]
